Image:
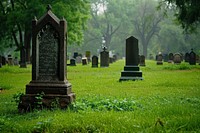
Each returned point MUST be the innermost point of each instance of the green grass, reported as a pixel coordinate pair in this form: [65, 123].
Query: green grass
[167, 100]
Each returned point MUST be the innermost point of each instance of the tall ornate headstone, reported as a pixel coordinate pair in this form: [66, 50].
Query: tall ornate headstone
[48, 65]
[131, 70]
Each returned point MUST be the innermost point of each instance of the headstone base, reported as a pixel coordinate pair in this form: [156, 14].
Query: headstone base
[159, 63]
[29, 102]
[131, 73]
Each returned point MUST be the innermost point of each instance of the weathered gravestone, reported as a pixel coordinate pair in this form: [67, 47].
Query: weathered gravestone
[170, 58]
[10, 60]
[187, 57]
[72, 62]
[104, 58]
[131, 70]
[177, 58]
[75, 55]
[84, 61]
[142, 60]
[192, 59]
[159, 59]
[16, 62]
[95, 61]
[78, 59]
[48, 66]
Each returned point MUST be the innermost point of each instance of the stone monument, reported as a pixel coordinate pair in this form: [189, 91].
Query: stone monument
[192, 58]
[131, 70]
[142, 60]
[104, 58]
[48, 65]
[177, 58]
[94, 61]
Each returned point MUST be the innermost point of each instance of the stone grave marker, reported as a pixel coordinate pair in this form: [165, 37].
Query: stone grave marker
[177, 58]
[165, 57]
[104, 58]
[95, 61]
[10, 60]
[192, 59]
[48, 65]
[75, 55]
[78, 59]
[159, 59]
[142, 60]
[131, 69]
[187, 57]
[72, 62]
[16, 62]
[170, 57]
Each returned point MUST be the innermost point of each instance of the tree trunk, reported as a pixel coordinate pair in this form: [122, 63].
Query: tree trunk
[27, 41]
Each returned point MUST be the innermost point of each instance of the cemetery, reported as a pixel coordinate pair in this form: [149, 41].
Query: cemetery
[55, 85]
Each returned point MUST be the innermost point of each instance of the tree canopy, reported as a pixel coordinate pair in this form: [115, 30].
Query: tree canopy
[188, 13]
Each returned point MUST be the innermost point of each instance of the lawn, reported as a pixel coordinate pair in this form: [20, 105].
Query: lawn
[167, 100]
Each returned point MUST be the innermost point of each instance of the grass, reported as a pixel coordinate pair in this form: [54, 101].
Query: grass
[167, 100]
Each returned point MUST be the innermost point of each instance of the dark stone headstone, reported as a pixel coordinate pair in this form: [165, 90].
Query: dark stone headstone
[72, 62]
[16, 62]
[114, 58]
[48, 65]
[104, 58]
[159, 59]
[192, 60]
[95, 61]
[131, 69]
[142, 60]
[75, 55]
[187, 57]
[177, 58]
[171, 57]
[165, 57]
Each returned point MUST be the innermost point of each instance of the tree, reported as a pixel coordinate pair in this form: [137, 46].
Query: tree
[19, 13]
[188, 12]
[146, 22]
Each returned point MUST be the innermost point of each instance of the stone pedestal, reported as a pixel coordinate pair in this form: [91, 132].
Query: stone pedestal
[131, 70]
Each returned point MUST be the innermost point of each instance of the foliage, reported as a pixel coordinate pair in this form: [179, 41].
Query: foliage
[187, 12]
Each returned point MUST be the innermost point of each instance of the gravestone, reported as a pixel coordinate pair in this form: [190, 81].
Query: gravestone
[187, 57]
[0, 61]
[16, 62]
[75, 55]
[72, 62]
[159, 59]
[104, 58]
[192, 59]
[142, 60]
[177, 58]
[10, 60]
[95, 61]
[48, 65]
[131, 69]
[165, 57]
[84, 61]
[171, 58]
[114, 58]
[151, 57]
[78, 59]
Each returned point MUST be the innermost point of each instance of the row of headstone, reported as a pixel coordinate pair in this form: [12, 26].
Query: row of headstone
[105, 59]
[10, 61]
[177, 58]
